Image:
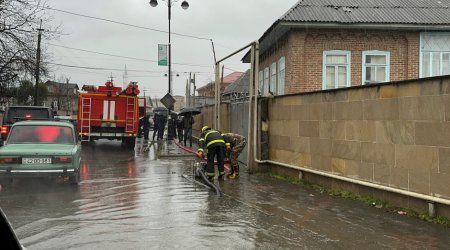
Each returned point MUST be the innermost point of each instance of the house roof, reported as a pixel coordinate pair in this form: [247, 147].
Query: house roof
[232, 77]
[63, 85]
[371, 11]
[359, 14]
[240, 85]
[228, 79]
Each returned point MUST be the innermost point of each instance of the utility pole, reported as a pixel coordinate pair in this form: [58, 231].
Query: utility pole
[38, 62]
[193, 98]
[67, 96]
[189, 90]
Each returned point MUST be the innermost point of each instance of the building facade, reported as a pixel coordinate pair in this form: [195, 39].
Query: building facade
[318, 46]
[62, 97]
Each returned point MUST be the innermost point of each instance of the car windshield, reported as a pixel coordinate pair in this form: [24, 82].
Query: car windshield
[50, 134]
[30, 113]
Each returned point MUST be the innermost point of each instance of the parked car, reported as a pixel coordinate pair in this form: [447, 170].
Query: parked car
[41, 149]
[17, 113]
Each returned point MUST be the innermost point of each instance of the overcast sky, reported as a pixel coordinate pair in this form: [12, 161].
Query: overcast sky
[231, 24]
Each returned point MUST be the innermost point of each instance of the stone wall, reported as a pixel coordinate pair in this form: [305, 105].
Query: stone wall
[206, 118]
[395, 134]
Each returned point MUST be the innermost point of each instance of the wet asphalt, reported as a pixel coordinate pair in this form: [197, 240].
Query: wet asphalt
[146, 199]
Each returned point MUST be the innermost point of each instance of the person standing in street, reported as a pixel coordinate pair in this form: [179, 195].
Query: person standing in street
[188, 121]
[156, 122]
[161, 126]
[172, 128]
[146, 126]
[212, 141]
[234, 144]
[179, 124]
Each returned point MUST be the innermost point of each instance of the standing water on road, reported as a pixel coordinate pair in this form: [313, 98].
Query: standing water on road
[140, 200]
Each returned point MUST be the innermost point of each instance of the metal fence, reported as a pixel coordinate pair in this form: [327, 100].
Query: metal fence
[239, 123]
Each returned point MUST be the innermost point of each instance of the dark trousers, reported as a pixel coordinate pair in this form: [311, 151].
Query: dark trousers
[146, 130]
[188, 134]
[155, 131]
[215, 151]
[180, 134]
[161, 132]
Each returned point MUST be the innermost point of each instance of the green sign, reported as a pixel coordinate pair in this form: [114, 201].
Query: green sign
[162, 55]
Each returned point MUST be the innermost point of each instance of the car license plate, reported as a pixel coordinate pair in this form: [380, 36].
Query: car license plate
[36, 160]
[108, 134]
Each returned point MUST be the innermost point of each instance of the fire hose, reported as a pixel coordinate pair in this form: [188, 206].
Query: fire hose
[201, 158]
[199, 172]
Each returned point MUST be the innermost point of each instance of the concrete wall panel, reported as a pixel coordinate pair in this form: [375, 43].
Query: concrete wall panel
[396, 134]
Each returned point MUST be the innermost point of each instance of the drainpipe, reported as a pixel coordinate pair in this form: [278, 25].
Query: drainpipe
[254, 76]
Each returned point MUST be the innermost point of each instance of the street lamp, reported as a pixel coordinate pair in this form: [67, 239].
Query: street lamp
[184, 5]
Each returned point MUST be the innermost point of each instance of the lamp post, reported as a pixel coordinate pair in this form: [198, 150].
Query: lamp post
[184, 5]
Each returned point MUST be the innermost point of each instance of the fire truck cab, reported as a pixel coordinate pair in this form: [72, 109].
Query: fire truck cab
[109, 112]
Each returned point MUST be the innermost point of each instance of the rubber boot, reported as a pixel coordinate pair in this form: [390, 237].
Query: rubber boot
[235, 172]
[221, 176]
[210, 178]
[231, 173]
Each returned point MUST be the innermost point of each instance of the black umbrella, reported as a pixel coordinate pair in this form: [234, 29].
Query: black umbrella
[161, 111]
[189, 111]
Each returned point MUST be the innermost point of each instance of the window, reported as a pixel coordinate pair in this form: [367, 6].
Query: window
[273, 78]
[260, 82]
[434, 54]
[281, 76]
[375, 67]
[266, 81]
[41, 134]
[336, 69]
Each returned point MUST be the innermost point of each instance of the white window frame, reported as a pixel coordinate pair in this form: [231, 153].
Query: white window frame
[433, 52]
[261, 82]
[281, 77]
[324, 67]
[387, 66]
[273, 78]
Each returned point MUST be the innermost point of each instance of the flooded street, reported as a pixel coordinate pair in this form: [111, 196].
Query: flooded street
[132, 200]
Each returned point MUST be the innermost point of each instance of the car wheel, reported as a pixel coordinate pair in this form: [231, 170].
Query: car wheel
[74, 178]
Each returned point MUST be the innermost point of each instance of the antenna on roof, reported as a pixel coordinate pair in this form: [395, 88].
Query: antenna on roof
[111, 78]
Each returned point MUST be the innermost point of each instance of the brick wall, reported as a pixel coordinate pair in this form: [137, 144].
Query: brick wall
[303, 50]
[396, 134]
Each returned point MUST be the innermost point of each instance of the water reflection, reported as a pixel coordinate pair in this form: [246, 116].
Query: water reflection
[137, 200]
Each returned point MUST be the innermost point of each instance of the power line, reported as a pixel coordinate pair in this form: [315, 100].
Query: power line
[99, 68]
[125, 57]
[122, 23]
[135, 26]
[114, 69]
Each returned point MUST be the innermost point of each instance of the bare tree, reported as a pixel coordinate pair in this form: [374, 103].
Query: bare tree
[19, 21]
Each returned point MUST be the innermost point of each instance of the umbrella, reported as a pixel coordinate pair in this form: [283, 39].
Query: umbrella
[161, 111]
[189, 111]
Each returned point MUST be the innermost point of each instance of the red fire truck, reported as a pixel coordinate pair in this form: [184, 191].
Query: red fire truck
[110, 112]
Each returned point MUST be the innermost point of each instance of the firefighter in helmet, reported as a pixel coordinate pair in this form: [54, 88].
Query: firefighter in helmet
[234, 143]
[212, 141]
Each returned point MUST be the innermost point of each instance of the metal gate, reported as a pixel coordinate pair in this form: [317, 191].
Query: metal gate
[239, 123]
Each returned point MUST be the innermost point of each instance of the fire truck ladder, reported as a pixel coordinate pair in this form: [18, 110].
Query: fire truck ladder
[131, 115]
[86, 107]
